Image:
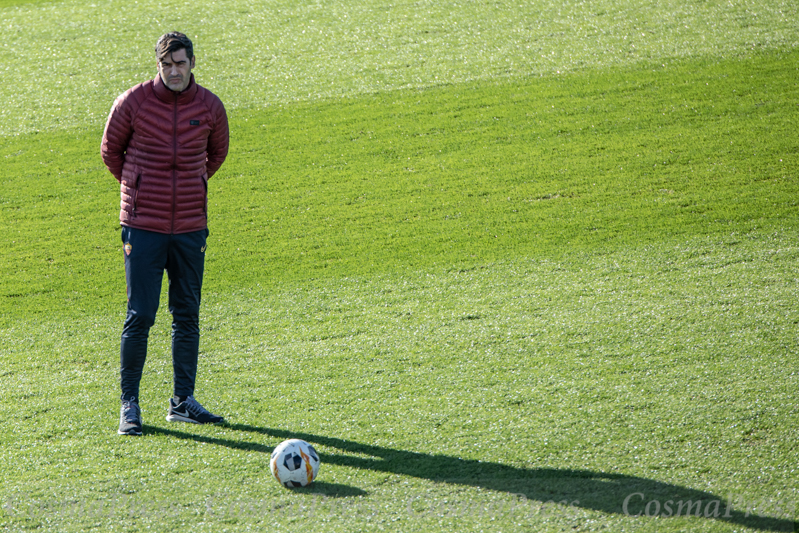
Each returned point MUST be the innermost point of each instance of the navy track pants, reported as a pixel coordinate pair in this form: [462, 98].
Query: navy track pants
[147, 255]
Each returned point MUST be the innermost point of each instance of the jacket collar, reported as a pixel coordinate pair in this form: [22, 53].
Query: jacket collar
[165, 94]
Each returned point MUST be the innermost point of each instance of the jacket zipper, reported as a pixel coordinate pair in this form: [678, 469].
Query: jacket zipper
[174, 163]
[205, 204]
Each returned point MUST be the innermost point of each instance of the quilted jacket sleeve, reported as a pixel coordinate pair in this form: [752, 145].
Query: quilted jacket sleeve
[219, 139]
[118, 130]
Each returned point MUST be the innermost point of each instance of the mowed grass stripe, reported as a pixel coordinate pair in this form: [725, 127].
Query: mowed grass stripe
[528, 167]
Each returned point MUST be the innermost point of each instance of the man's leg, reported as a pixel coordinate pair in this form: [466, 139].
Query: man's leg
[145, 260]
[185, 268]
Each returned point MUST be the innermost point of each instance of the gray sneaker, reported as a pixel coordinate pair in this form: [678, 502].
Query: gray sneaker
[130, 418]
[191, 411]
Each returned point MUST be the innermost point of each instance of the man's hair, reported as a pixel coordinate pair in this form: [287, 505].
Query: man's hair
[172, 42]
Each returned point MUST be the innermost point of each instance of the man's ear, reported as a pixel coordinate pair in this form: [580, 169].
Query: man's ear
[192, 61]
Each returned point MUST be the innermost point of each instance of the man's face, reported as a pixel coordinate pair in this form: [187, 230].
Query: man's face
[175, 70]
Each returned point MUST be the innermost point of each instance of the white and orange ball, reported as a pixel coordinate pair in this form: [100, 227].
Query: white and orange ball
[294, 463]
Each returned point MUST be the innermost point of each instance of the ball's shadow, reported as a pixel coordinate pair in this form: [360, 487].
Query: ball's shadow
[586, 489]
[331, 490]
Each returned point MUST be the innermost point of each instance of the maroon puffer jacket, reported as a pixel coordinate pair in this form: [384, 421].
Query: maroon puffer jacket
[162, 147]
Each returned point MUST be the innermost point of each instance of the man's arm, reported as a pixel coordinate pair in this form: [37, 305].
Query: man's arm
[118, 130]
[219, 139]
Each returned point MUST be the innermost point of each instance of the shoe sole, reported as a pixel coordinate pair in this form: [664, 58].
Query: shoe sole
[132, 433]
[178, 418]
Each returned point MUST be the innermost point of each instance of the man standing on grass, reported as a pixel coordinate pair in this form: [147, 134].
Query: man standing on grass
[163, 140]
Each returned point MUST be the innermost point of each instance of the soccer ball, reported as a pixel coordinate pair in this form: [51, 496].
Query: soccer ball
[294, 463]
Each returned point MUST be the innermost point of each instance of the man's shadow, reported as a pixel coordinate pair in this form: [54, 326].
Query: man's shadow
[586, 489]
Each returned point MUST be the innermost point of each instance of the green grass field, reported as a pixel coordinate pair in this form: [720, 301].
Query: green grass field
[510, 267]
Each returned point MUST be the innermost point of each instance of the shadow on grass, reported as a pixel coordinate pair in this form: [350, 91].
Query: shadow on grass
[597, 491]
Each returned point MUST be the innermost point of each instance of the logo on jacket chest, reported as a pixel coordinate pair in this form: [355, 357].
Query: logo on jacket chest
[194, 122]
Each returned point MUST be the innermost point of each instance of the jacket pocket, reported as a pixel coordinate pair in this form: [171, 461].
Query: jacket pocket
[136, 187]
